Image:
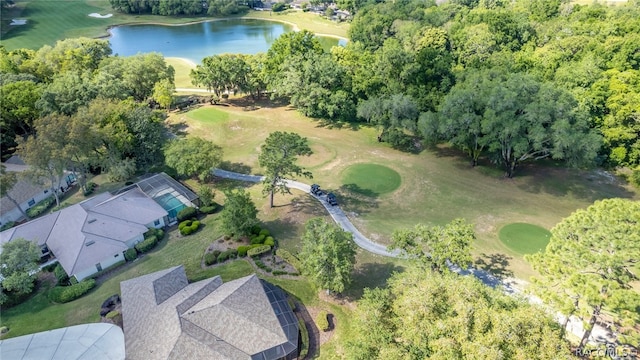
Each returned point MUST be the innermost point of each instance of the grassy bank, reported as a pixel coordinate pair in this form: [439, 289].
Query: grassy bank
[50, 21]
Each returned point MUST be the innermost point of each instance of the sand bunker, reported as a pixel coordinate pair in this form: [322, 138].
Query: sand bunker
[96, 15]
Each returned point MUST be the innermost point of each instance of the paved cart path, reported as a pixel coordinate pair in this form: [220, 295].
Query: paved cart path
[575, 325]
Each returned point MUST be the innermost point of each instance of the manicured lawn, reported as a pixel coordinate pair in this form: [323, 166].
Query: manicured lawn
[524, 238]
[182, 67]
[49, 21]
[437, 185]
[370, 179]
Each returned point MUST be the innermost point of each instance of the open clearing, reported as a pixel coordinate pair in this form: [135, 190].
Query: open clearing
[438, 184]
[524, 238]
[370, 179]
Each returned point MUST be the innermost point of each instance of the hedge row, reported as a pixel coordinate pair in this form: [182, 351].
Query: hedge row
[61, 275]
[290, 258]
[321, 321]
[147, 244]
[208, 209]
[41, 207]
[8, 225]
[258, 250]
[187, 213]
[262, 266]
[159, 233]
[130, 254]
[216, 256]
[188, 227]
[65, 294]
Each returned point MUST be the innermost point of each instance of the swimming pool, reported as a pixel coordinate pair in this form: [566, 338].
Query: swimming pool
[171, 204]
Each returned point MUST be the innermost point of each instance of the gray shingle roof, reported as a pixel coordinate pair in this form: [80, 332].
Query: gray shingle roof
[83, 234]
[22, 191]
[207, 319]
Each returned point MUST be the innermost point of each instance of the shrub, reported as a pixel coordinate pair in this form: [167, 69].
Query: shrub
[187, 213]
[279, 6]
[147, 244]
[4, 330]
[130, 254]
[269, 241]
[255, 230]
[61, 275]
[160, 234]
[112, 314]
[50, 268]
[41, 207]
[90, 187]
[635, 177]
[184, 224]
[258, 250]
[256, 240]
[211, 258]
[265, 232]
[229, 254]
[321, 321]
[290, 258]
[8, 225]
[242, 250]
[208, 209]
[65, 294]
[188, 227]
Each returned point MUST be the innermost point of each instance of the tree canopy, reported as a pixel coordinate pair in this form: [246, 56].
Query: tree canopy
[18, 266]
[238, 216]
[590, 263]
[424, 314]
[278, 157]
[193, 156]
[328, 255]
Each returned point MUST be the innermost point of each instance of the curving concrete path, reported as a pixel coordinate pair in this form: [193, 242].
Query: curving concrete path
[574, 326]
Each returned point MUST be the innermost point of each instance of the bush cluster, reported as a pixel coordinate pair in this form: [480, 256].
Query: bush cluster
[211, 258]
[290, 258]
[242, 250]
[61, 275]
[187, 213]
[130, 254]
[322, 321]
[41, 207]
[90, 188]
[8, 225]
[60, 294]
[262, 266]
[208, 209]
[258, 250]
[147, 244]
[229, 254]
[158, 233]
[269, 241]
[188, 227]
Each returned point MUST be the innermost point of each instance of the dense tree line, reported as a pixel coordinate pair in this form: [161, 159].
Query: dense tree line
[180, 7]
[75, 106]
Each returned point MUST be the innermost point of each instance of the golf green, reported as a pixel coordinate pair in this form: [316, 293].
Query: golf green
[370, 179]
[524, 238]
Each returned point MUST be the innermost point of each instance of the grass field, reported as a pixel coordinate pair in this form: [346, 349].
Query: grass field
[524, 238]
[49, 21]
[370, 179]
[437, 185]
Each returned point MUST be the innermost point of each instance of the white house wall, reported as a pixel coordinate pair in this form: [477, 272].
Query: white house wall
[15, 214]
[105, 263]
[153, 225]
[131, 243]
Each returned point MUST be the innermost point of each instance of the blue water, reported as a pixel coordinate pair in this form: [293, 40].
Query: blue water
[196, 41]
[171, 204]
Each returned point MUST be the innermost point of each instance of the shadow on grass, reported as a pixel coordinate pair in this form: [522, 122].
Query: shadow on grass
[352, 198]
[179, 129]
[223, 185]
[357, 189]
[370, 275]
[235, 167]
[495, 263]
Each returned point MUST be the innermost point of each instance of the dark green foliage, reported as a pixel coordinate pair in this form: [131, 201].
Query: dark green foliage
[211, 258]
[242, 250]
[264, 232]
[261, 249]
[239, 214]
[188, 227]
[262, 265]
[187, 213]
[61, 275]
[279, 6]
[41, 207]
[290, 258]
[69, 293]
[255, 230]
[90, 188]
[50, 268]
[322, 321]
[130, 254]
[269, 241]
[147, 244]
[228, 254]
[257, 240]
[8, 225]
[635, 177]
[209, 209]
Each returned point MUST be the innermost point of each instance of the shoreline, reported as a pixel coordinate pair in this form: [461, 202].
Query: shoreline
[192, 63]
[293, 26]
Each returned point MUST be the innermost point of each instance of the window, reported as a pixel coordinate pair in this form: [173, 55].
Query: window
[98, 267]
[157, 222]
[32, 202]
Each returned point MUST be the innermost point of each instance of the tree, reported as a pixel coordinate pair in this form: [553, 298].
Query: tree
[18, 265]
[424, 314]
[328, 255]
[163, 93]
[7, 181]
[18, 106]
[223, 73]
[278, 157]
[438, 245]
[589, 265]
[296, 43]
[239, 213]
[393, 116]
[193, 157]
[206, 195]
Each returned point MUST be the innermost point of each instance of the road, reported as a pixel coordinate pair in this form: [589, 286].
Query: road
[574, 326]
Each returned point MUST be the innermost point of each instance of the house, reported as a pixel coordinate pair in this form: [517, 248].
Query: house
[92, 235]
[25, 193]
[79, 342]
[165, 317]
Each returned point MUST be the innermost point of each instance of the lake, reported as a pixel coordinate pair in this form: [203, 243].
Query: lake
[196, 41]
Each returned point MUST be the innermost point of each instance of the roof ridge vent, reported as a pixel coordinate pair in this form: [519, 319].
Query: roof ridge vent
[92, 220]
[89, 243]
